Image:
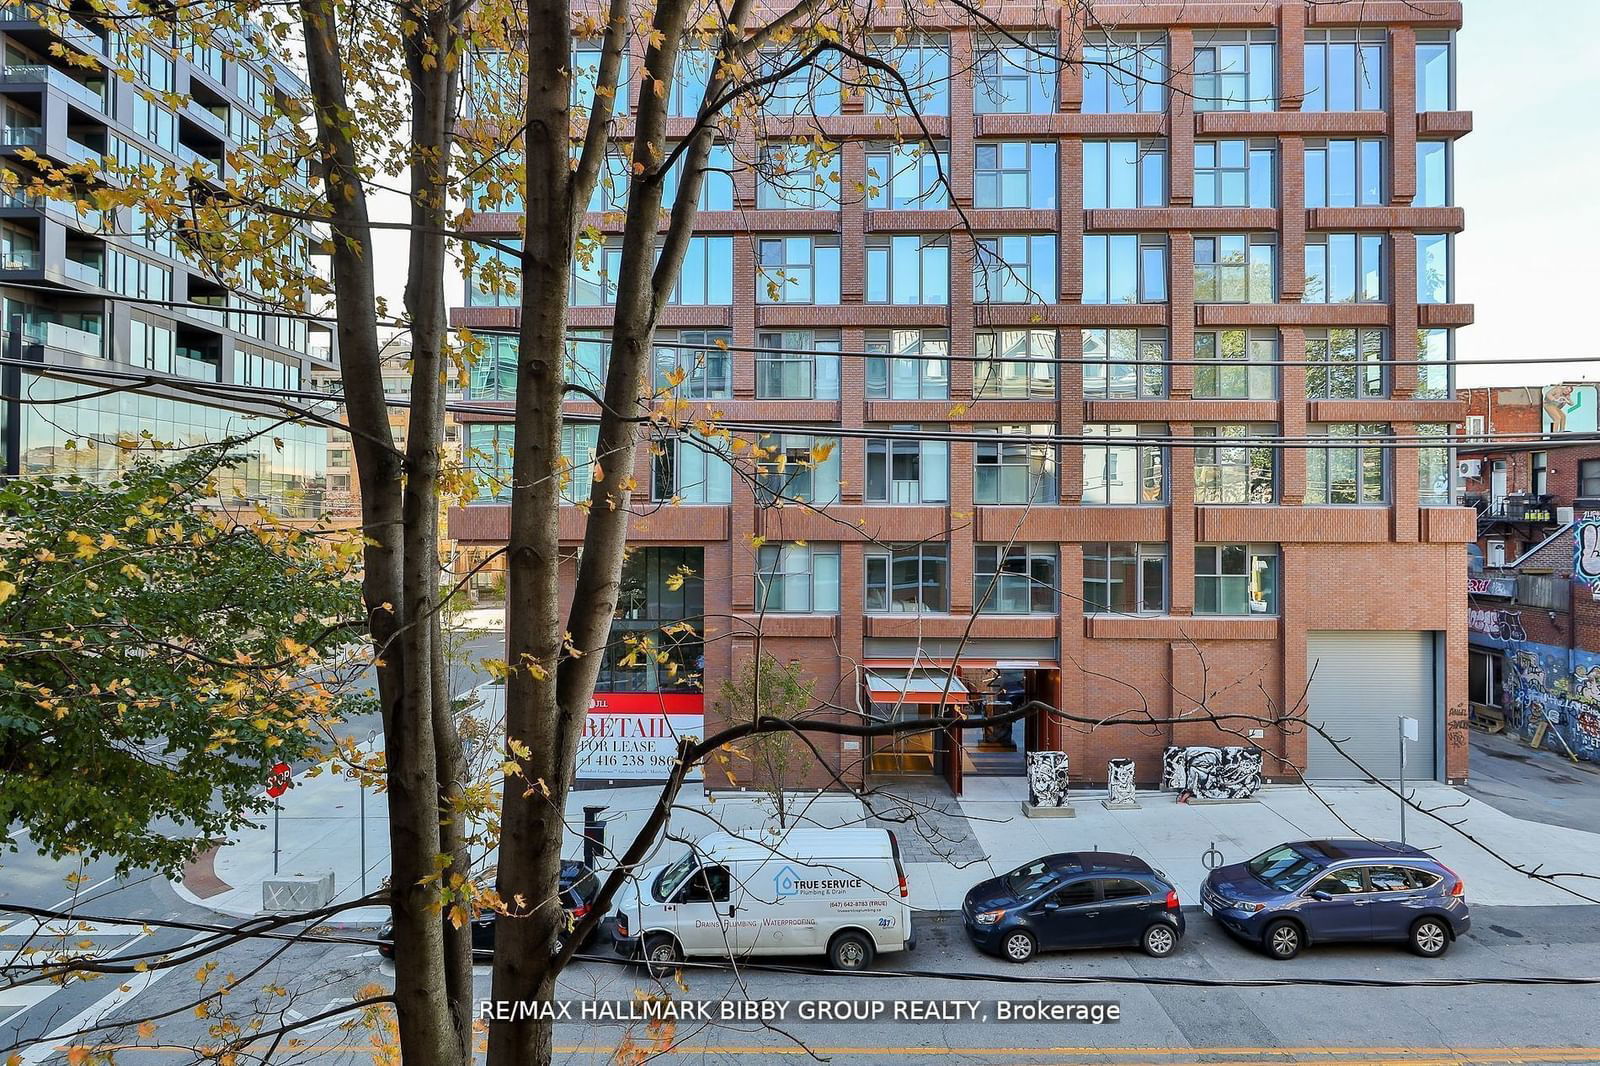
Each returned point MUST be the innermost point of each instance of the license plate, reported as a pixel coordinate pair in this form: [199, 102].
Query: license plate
[1205, 905]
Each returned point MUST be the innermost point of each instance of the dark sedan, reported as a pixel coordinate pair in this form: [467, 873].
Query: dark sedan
[1320, 891]
[579, 887]
[1084, 899]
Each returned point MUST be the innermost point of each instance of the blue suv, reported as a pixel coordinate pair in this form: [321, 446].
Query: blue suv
[1319, 891]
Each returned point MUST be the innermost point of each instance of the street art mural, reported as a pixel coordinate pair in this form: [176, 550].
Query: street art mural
[1212, 773]
[1586, 551]
[1120, 791]
[1047, 778]
[1539, 688]
[1570, 408]
[1501, 625]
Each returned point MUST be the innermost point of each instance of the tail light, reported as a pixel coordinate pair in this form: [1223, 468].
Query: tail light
[579, 912]
[1172, 899]
[622, 924]
[1459, 889]
[905, 889]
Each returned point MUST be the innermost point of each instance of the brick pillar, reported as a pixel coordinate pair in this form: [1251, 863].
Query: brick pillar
[1292, 416]
[1403, 114]
[1180, 118]
[1291, 56]
[961, 133]
[1180, 493]
[1074, 651]
[1403, 478]
[961, 521]
[1069, 413]
[1291, 219]
[1295, 590]
[852, 222]
[1403, 310]
[1180, 315]
[852, 412]
[1070, 196]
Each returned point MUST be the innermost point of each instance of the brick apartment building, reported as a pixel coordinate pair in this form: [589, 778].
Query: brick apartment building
[1534, 612]
[1284, 195]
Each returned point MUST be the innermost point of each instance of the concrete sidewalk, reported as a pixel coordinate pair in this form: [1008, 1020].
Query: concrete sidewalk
[321, 830]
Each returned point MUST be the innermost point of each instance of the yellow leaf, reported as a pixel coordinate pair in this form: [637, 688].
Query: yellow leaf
[7, 590]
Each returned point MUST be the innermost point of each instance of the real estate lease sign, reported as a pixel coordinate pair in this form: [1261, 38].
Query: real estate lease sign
[634, 735]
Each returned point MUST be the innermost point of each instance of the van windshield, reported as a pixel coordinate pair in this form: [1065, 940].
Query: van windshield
[669, 879]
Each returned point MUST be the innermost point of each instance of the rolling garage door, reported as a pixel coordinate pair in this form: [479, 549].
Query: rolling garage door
[1361, 684]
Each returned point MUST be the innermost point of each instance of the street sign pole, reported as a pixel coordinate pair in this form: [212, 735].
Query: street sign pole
[279, 778]
[277, 809]
[362, 785]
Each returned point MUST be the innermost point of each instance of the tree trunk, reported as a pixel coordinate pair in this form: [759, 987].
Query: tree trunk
[427, 1032]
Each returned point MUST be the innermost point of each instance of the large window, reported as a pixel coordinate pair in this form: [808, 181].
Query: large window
[797, 578]
[908, 364]
[923, 63]
[716, 183]
[1350, 469]
[1343, 268]
[586, 56]
[906, 177]
[908, 269]
[1124, 364]
[594, 276]
[798, 175]
[1347, 364]
[1124, 268]
[809, 88]
[1235, 364]
[1124, 174]
[1434, 378]
[796, 364]
[1124, 578]
[1014, 578]
[689, 81]
[1235, 579]
[493, 375]
[1436, 86]
[1588, 479]
[698, 367]
[1484, 677]
[1020, 174]
[495, 277]
[1344, 172]
[691, 469]
[1235, 173]
[1230, 470]
[1016, 74]
[1124, 470]
[1012, 468]
[797, 270]
[1235, 71]
[1236, 268]
[1344, 70]
[908, 579]
[1434, 186]
[1015, 364]
[907, 470]
[706, 277]
[1125, 73]
[1433, 268]
[487, 457]
[650, 650]
[1015, 269]
[588, 353]
[796, 468]
[1435, 470]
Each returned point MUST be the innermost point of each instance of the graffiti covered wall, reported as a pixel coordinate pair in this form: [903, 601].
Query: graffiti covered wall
[1537, 687]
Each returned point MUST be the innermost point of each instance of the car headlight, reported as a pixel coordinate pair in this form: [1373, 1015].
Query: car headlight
[1248, 908]
[990, 917]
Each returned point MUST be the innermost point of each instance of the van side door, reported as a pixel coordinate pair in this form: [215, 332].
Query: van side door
[700, 911]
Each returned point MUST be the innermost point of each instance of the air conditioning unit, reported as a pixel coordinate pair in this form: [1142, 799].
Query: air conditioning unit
[1469, 467]
[1564, 515]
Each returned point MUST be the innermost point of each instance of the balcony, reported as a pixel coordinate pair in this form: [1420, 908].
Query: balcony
[88, 273]
[21, 135]
[1524, 513]
[65, 338]
[198, 369]
[206, 117]
[20, 259]
[92, 96]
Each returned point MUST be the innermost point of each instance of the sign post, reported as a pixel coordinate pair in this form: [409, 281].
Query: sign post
[278, 782]
[1408, 731]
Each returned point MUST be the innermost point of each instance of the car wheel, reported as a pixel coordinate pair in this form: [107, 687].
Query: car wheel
[1430, 938]
[850, 951]
[1018, 946]
[1159, 941]
[661, 953]
[1283, 939]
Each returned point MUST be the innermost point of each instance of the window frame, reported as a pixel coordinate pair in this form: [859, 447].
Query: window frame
[822, 254]
[887, 259]
[810, 182]
[1252, 552]
[1042, 595]
[1442, 41]
[1363, 246]
[1366, 154]
[924, 554]
[1146, 457]
[1258, 374]
[1015, 446]
[1250, 42]
[811, 351]
[1103, 162]
[930, 455]
[882, 375]
[1150, 282]
[1249, 479]
[1249, 270]
[773, 464]
[1256, 152]
[773, 575]
[701, 381]
[988, 260]
[716, 473]
[925, 93]
[1445, 150]
[887, 163]
[1098, 571]
[1368, 82]
[1366, 448]
[1042, 190]
[1107, 78]
[1447, 242]
[1324, 371]
[991, 368]
[1145, 369]
[1002, 63]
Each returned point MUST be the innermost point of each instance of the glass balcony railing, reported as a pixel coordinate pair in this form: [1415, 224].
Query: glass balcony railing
[20, 259]
[215, 316]
[88, 273]
[79, 152]
[205, 116]
[198, 369]
[66, 338]
[22, 135]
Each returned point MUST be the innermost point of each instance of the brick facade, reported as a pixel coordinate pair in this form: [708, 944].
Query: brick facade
[1390, 566]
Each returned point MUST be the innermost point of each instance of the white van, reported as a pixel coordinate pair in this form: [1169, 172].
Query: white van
[835, 892]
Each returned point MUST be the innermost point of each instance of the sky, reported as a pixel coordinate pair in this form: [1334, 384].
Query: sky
[1528, 176]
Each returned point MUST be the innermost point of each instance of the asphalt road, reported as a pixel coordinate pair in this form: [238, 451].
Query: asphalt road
[1208, 1020]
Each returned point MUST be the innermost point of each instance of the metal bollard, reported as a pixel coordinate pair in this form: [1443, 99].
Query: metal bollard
[594, 835]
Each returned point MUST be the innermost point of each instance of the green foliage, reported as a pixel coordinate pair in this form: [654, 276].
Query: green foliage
[156, 658]
[768, 690]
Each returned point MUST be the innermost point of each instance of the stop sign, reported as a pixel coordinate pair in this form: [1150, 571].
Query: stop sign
[278, 780]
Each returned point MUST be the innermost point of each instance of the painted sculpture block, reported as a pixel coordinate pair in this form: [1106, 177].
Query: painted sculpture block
[1119, 782]
[1047, 778]
[1212, 773]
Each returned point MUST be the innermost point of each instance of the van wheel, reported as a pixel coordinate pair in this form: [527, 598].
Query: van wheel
[850, 951]
[1159, 941]
[1430, 938]
[661, 953]
[1018, 946]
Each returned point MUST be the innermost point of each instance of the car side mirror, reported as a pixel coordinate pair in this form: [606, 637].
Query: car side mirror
[1051, 905]
[1325, 897]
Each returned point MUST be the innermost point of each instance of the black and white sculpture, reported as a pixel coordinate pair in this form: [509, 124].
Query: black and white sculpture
[1120, 791]
[1173, 778]
[1240, 776]
[1047, 783]
[1202, 771]
[1205, 773]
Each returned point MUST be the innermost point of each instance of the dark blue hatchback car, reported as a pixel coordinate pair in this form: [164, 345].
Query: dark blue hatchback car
[1080, 899]
[1318, 891]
